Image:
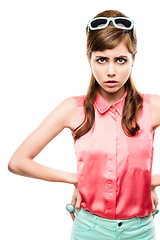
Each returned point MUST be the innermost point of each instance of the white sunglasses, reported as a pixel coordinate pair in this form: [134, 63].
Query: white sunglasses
[103, 22]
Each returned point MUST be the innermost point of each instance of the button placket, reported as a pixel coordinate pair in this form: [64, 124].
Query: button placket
[112, 112]
[111, 176]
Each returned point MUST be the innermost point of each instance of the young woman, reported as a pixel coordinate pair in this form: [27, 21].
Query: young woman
[113, 128]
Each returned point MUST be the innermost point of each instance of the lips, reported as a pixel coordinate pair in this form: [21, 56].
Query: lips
[111, 83]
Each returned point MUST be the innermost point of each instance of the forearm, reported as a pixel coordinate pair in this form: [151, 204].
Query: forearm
[155, 182]
[30, 168]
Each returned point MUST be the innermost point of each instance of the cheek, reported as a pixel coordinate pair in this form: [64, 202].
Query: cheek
[126, 73]
[98, 72]
[95, 72]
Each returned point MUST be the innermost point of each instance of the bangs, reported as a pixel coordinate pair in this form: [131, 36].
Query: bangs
[107, 38]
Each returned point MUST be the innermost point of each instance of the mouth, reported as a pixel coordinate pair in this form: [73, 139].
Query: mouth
[111, 83]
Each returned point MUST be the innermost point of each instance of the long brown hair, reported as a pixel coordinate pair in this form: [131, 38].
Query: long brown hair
[100, 40]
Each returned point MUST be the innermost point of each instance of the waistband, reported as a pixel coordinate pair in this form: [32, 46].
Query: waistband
[126, 222]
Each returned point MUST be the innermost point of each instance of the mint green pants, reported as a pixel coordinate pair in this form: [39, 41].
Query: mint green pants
[87, 226]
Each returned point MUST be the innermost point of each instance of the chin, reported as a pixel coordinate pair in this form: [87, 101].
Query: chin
[112, 90]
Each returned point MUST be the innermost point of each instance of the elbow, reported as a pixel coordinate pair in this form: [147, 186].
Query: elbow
[12, 167]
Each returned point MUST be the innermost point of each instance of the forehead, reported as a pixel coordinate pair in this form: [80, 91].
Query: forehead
[120, 50]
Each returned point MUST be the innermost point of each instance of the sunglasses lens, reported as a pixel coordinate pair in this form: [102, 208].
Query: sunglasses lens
[98, 23]
[124, 23]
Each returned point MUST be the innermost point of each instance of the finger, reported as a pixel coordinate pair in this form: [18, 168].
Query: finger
[156, 199]
[73, 202]
[153, 208]
[72, 216]
[78, 206]
[155, 202]
[78, 203]
[154, 213]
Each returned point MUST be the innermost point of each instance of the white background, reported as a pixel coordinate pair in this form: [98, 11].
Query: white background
[43, 61]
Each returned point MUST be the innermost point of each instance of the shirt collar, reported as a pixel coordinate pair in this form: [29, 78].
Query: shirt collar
[102, 105]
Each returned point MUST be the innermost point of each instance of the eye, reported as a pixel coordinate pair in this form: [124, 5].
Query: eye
[121, 60]
[101, 60]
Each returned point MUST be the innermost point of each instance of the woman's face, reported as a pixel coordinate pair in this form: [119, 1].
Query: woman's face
[111, 69]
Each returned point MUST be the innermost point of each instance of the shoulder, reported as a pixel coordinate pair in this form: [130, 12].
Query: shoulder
[151, 99]
[68, 103]
[67, 108]
[79, 100]
[71, 103]
[155, 102]
[145, 97]
[152, 102]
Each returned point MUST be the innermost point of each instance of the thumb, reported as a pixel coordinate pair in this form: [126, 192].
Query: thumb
[153, 208]
[78, 203]
[73, 202]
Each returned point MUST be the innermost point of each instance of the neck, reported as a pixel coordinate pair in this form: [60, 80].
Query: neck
[114, 97]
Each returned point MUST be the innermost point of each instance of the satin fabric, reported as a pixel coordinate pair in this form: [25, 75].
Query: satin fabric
[114, 170]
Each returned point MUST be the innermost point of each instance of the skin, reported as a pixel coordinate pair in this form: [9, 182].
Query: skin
[111, 66]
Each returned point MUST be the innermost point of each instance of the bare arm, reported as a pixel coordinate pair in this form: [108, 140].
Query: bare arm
[155, 109]
[22, 163]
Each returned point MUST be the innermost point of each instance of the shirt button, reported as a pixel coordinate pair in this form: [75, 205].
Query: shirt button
[119, 224]
[112, 107]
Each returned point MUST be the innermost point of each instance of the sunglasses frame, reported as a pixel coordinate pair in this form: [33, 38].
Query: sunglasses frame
[108, 21]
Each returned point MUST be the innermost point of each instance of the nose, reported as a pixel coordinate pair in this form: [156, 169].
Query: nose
[111, 70]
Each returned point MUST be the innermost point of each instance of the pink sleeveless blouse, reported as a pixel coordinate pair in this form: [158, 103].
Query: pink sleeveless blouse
[114, 170]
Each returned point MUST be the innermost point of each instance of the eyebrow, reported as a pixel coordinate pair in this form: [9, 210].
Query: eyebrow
[121, 56]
